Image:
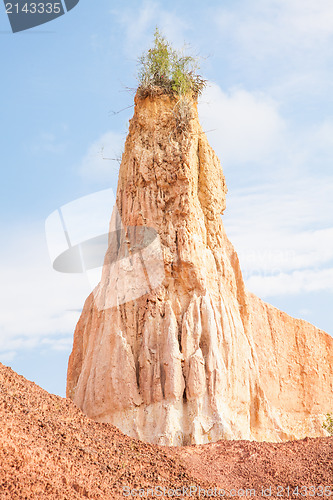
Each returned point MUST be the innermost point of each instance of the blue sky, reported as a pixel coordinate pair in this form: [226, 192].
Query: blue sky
[269, 112]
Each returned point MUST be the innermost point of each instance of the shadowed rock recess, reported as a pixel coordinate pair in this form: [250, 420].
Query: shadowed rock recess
[197, 358]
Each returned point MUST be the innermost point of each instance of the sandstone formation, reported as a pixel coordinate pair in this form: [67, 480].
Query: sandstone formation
[196, 357]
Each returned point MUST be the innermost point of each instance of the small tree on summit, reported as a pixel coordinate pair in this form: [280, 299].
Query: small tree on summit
[162, 68]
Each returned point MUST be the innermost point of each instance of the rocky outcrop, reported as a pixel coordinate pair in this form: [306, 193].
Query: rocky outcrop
[190, 357]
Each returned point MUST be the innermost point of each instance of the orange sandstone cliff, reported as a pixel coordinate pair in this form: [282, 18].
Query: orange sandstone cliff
[193, 357]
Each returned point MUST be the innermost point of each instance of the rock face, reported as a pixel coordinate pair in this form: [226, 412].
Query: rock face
[196, 358]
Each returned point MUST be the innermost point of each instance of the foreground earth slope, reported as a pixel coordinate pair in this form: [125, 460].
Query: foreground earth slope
[50, 450]
[196, 357]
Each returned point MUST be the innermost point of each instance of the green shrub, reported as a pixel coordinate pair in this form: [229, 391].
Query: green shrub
[163, 69]
[328, 424]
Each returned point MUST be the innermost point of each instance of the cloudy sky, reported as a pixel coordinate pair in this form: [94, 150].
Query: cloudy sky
[268, 113]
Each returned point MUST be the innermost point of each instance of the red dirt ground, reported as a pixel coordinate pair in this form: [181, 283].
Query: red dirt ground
[50, 450]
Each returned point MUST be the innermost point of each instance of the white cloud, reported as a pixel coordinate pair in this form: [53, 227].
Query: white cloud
[244, 127]
[321, 141]
[283, 47]
[7, 357]
[39, 305]
[294, 283]
[311, 21]
[279, 27]
[283, 234]
[82, 219]
[248, 130]
[58, 344]
[101, 161]
[282, 224]
[139, 25]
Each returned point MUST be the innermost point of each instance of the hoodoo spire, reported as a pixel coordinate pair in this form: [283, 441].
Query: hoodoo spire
[171, 347]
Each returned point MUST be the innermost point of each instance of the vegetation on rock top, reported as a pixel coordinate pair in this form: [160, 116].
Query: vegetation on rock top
[163, 69]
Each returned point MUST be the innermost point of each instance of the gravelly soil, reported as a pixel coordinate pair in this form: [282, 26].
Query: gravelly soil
[303, 467]
[50, 450]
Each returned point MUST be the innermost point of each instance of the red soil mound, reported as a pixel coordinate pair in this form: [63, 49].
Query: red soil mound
[50, 450]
